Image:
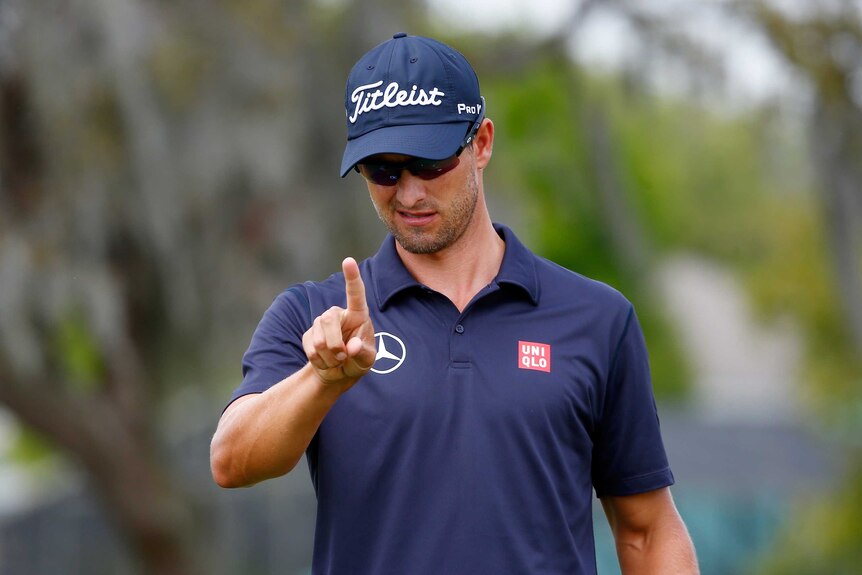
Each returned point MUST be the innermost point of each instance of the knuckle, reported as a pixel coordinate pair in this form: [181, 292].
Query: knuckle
[318, 340]
[308, 343]
[330, 317]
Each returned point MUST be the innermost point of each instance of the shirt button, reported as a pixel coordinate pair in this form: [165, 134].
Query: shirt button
[459, 328]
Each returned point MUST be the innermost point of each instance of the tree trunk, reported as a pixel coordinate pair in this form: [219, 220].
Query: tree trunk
[836, 151]
[155, 519]
[622, 225]
[836, 136]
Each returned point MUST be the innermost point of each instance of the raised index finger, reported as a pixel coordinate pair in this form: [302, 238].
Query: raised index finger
[353, 285]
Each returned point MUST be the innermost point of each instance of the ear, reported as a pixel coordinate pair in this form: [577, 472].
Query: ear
[483, 143]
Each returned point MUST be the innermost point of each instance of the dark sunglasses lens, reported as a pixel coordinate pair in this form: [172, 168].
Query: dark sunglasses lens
[388, 174]
[430, 169]
[381, 174]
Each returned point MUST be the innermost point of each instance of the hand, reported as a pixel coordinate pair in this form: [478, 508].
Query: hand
[340, 343]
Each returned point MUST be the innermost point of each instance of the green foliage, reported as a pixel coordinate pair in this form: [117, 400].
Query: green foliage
[77, 355]
[824, 538]
[671, 375]
[710, 185]
[701, 182]
[541, 135]
[791, 275]
[30, 448]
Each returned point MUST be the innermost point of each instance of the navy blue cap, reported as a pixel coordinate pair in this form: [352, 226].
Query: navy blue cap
[410, 95]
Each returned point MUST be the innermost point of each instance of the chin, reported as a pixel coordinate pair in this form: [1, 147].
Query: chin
[419, 245]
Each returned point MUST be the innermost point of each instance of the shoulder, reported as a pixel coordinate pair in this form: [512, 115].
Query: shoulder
[318, 296]
[562, 285]
[552, 285]
[301, 299]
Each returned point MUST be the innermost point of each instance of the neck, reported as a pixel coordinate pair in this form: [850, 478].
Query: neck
[461, 270]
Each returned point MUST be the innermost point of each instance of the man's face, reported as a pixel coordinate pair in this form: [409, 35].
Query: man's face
[427, 216]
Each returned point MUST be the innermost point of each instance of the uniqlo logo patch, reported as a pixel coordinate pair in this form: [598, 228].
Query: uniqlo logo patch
[535, 356]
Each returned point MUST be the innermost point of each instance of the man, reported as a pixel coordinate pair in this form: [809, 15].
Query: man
[457, 397]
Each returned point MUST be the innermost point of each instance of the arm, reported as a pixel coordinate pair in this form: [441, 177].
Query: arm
[650, 536]
[261, 436]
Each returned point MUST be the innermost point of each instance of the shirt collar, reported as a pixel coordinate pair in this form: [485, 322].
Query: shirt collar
[389, 276]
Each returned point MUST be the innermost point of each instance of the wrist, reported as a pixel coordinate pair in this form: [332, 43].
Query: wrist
[329, 387]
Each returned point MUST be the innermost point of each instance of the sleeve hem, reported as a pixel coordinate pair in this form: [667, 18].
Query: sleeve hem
[637, 484]
[242, 392]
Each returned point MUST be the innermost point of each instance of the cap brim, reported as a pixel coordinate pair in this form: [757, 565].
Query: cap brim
[431, 141]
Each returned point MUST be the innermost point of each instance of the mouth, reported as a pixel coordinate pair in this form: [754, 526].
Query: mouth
[416, 218]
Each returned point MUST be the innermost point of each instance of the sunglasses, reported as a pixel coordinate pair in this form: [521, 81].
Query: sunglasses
[388, 173]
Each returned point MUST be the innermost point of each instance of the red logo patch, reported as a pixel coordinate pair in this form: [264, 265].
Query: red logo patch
[535, 356]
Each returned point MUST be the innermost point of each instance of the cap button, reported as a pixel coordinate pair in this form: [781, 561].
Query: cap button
[400, 35]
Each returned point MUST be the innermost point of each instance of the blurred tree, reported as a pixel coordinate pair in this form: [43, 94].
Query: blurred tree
[157, 164]
[824, 44]
[824, 537]
[826, 47]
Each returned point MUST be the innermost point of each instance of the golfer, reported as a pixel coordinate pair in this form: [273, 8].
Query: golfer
[458, 398]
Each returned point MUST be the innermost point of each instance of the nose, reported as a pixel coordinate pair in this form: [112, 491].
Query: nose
[410, 190]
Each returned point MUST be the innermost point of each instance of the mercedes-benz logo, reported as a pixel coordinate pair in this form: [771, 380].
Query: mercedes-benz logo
[390, 353]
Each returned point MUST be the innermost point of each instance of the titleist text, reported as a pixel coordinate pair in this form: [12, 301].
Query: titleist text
[390, 97]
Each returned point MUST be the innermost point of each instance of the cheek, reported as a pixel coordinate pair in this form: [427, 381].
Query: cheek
[384, 206]
[379, 198]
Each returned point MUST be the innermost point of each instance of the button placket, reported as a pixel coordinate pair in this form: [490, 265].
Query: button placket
[459, 345]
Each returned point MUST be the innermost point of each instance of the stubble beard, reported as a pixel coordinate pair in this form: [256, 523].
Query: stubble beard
[455, 221]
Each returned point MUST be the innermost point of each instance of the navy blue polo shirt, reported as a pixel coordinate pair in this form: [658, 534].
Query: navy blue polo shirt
[474, 444]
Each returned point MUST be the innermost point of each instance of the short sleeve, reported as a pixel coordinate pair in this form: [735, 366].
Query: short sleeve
[275, 350]
[628, 452]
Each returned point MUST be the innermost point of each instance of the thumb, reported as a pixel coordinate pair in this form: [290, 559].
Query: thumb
[362, 355]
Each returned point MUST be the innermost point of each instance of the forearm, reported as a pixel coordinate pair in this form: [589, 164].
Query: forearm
[264, 435]
[664, 549]
[650, 535]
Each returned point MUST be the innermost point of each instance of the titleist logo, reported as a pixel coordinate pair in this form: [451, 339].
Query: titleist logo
[390, 97]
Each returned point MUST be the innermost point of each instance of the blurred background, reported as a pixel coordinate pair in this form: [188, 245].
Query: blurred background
[167, 168]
